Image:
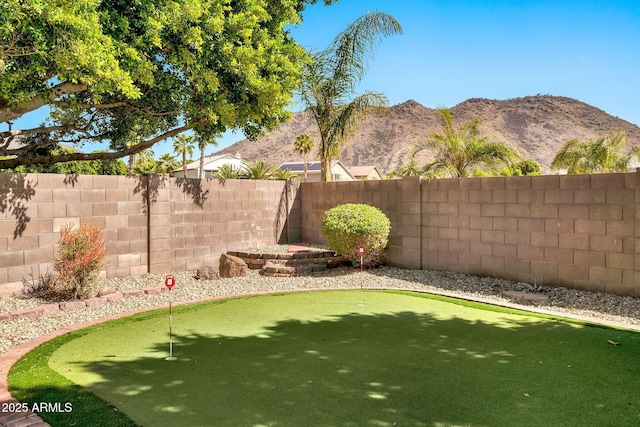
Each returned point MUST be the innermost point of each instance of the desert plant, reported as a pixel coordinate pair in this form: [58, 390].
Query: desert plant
[284, 174]
[603, 155]
[329, 79]
[257, 170]
[303, 146]
[461, 149]
[228, 171]
[79, 256]
[349, 226]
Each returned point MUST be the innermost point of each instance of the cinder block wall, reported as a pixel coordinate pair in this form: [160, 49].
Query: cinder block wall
[398, 199]
[151, 224]
[35, 206]
[193, 222]
[578, 231]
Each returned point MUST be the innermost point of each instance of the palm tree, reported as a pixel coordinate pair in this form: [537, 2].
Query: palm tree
[257, 170]
[183, 146]
[330, 78]
[284, 174]
[303, 145]
[410, 169]
[228, 171]
[167, 163]
[600, 156]
[202, 145]
[462, 149]
[144, 163]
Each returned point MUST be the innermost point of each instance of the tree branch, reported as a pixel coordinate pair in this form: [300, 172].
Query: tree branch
[11, 112]
[146, 110]
[48, 160]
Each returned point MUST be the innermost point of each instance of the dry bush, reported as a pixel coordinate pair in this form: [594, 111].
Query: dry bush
[79, 256]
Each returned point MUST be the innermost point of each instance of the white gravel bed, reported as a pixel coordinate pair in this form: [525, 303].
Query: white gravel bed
[598, 307]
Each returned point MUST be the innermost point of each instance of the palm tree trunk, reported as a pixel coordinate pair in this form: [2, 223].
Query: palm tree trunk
[324, 170]
[132, 164]
[201, 172]
[305, 167]
[184, 164]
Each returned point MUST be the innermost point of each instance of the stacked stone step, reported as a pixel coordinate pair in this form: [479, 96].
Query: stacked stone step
[291, 263]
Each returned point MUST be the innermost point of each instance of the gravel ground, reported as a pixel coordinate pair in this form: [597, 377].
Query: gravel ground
[598, 307]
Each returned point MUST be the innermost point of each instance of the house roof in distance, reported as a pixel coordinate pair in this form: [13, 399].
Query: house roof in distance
[212, 158]
[299, 166]
[362, 170]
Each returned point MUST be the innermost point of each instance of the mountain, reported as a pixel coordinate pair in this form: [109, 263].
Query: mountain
[536, 125]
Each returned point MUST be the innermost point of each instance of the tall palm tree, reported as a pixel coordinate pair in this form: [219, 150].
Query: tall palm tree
[331, 77]
[183, 146]
[167, 162]
[303, 146]
[202, 145]
[600, 156]
[462, 149]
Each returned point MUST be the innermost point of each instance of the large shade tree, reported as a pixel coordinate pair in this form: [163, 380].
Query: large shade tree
[331, 77]
[461, 149]
[133, 73]
[602, 155]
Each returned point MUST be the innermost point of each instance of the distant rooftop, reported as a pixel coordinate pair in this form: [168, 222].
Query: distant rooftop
[299, 166]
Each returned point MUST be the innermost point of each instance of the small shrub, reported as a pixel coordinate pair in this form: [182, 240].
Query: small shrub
[348, 226]
[78, 259]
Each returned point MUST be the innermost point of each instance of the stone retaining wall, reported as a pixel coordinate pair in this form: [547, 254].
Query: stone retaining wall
[256, 260]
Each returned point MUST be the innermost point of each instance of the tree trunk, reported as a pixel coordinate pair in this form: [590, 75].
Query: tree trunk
[201, 173]
[184, 164]
[324, 171]
[305, 167]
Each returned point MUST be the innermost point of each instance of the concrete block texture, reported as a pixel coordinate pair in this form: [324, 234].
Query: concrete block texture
[578, 231]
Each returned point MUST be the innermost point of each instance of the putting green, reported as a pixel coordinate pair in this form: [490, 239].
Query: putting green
[321, 359]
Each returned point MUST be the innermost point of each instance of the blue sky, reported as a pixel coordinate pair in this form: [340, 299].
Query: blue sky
[452, 51]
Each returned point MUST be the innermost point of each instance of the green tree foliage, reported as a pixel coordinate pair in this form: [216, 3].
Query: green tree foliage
[134, 73]
[183, 147]
[91, 167]
[284, 174]
[303, 146]
[528, 167]
[460, 150]
[330, 79]
[603, 155]
[412, 168]
[228, 171]
[167, 164]
[349, 226]
[257, 170]
[203, 142]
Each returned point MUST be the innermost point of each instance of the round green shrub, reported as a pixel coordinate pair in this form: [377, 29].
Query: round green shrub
[351, 225]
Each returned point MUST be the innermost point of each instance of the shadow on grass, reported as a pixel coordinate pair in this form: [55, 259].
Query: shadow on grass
[402, 368]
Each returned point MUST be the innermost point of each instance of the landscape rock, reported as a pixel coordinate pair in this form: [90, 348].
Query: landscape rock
[106, 291]
[232, 266]
[206, 273]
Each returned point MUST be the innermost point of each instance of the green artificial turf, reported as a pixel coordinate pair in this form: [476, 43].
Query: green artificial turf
[321, 359]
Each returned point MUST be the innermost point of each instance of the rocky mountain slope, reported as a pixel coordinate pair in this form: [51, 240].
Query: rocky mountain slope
[536, 125]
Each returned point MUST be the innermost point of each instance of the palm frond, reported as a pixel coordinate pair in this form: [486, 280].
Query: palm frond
[600, 156]
[353, 47]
